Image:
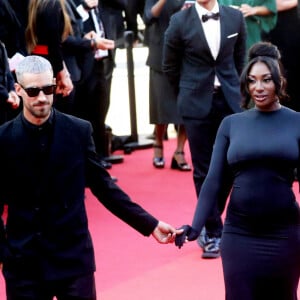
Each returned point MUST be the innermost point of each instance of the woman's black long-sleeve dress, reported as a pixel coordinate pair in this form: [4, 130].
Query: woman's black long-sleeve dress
[260, 247]
[162, 98]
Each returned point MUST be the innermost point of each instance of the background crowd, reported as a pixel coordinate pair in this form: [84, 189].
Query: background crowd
[194, 71]
[76, 24]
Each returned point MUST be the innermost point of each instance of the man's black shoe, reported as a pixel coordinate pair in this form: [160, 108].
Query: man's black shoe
[105, 164]
[211, 248]
[114, 179]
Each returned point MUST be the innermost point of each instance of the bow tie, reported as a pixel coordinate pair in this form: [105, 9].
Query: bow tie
[210, 16]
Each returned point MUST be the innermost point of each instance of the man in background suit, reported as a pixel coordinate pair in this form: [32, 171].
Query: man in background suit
[204, 53]
[45, 247]
[93, 95]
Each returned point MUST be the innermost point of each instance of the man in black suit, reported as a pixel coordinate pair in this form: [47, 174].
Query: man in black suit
[47, 159]
[204, 53]
[93, 100]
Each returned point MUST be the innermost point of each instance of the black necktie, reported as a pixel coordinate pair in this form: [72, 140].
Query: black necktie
[210, 16]
[100, 23]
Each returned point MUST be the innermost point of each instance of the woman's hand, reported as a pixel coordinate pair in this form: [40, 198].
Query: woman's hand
[188, 234]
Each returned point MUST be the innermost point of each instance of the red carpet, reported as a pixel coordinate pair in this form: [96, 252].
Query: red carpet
[133, 267]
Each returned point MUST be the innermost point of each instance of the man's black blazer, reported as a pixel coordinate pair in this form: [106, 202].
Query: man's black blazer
[188, 62]
[47, 234]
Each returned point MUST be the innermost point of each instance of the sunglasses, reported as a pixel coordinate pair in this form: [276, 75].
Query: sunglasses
[34, 91]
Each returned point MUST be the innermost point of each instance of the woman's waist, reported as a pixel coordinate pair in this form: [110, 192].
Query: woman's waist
[261, 226]
[263, 218]
[260, 203]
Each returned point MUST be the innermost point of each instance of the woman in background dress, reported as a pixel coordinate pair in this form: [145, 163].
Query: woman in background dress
[162, 98]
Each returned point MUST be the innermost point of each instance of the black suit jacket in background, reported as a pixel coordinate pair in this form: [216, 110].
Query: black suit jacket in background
[190, 66]
[77, 50]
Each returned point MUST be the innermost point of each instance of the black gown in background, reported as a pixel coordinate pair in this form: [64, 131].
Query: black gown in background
[286, 36]
[162, 98]
[260, 246]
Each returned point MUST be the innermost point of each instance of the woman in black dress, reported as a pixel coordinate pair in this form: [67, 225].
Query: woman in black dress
[48, 26]
[162, 97]
[254, 157]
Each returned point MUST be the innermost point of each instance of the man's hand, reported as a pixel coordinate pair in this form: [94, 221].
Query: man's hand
[100, 43]
[91, 3]
[165, 233]
[105, 44]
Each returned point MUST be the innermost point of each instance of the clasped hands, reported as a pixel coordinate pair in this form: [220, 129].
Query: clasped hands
[165, 233]
[188, 234]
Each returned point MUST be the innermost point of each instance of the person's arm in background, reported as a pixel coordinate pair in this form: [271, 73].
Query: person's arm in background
[248, 10]
[13, 99]
[95, 41]
[7, 82]
[152, 10]
[285, 4]
[63, 78]
[47, 27]
[158, 7]
[172, 53]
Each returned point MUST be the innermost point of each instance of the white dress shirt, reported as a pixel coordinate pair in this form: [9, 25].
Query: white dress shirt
[212, 31]
[99, 54]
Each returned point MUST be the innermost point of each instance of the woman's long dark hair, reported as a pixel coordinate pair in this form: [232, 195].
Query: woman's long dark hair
[34, 7]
